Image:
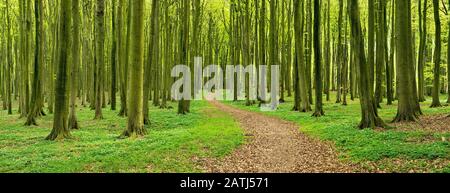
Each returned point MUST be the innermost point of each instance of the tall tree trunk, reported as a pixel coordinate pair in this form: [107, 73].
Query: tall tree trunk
[135, 126]
[339, 62]
[437, 56]
[273, 36]
[123, 55]
[60, 121]
[153, 45]
[327, 52]
[9, 60]
[390, 67]
[183, 105]
[309, 46]
[344, 73]
[301, 90]
[371, 44]
[289, 50]
[448, 60]
[407, 105]
[115, 44]
[317, 61]
[422, 47]
[37, 100]
[76, 63]
[100, 59]
[369, 112]
[380, 54]
[262, 48]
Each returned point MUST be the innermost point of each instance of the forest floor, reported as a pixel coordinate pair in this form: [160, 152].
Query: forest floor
[407, 147]
[172, 143]
[232, 137]
[275, 146]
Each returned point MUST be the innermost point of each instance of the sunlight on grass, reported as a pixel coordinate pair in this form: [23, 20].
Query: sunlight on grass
[172, 142]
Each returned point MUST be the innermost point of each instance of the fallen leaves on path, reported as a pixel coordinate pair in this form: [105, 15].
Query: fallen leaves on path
[275, 146]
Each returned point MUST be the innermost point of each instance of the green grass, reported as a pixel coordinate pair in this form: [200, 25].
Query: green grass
[171, 145]
[370, 146]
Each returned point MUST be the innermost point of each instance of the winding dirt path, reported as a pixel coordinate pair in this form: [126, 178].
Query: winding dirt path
[275, 146]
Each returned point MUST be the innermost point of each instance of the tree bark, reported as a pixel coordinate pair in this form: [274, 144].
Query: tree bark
[369, 112]
[100, 59]
[317, 61]
[437, 56]
[408, 108]
[422, 48]
[135, 125]
[60, 121]
[37, 100]
[76, 63]
[302, 103]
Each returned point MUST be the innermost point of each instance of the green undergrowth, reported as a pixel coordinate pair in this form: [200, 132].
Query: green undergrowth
[171, 145]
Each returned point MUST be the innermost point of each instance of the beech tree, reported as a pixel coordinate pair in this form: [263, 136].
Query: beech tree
[408, 106]
[99, 57]
[61, 128]
[437, 56]
[369, 111]
[301, 93]
[135, 125]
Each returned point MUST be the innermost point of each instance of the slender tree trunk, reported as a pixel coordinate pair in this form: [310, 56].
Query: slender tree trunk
[76, 63]
[309, 45]
[9, 60]
[339, 53]
[273, 36]
[153, 52]
[380, 54]
[60, 121]
[262, 43]
[437, 56]
[390, 67]
[123, 55]
[327, 52]
[37, 100]
[344, 73]
[115, 37]
[422, 47]
[371, 44]
[289, 50]
[369, 112]
[100, 59]
[301, 90]
[183, 105]
[448, 60]
[135, 126]
[317, 61]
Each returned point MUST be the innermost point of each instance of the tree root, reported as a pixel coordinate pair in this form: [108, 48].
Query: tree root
[436, 105]
[318, 114]
[405, 118]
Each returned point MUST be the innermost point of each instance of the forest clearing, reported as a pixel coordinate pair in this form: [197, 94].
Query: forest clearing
[311, 86]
